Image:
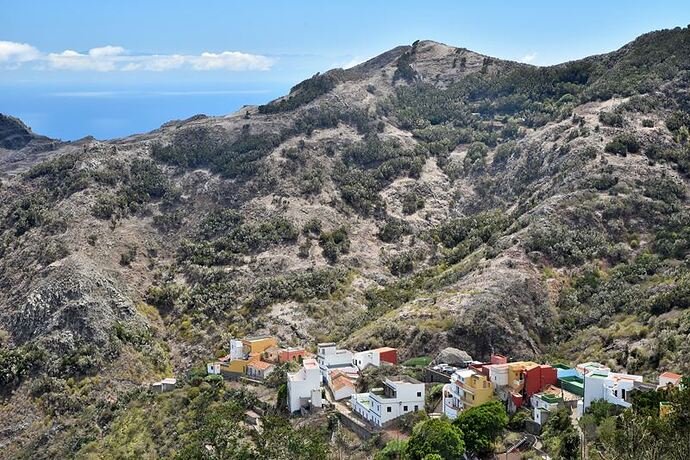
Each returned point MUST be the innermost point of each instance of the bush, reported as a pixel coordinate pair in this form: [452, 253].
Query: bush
[623, 144]
[394, 450]
[304, 92]
[403, 69]
[402, 263]
[312, 227]
[411, 203]
[128, 257]
[334, 244]
[611, 119]
[393, 230]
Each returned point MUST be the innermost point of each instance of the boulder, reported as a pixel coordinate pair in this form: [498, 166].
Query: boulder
[452, 356]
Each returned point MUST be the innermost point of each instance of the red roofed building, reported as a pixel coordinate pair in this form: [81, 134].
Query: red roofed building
[669, 378]
[341, 385]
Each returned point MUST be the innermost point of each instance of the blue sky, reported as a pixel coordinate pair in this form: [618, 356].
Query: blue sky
[251, 51]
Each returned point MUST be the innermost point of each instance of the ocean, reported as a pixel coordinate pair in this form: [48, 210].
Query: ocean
[70, 113]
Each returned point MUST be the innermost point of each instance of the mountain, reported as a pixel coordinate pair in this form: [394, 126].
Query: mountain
[429, 197]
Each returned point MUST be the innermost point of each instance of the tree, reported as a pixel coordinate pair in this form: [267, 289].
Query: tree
[394, 450]
[435, 436]
[481, 426]
[280, 440]
[219, 436]
[560, 436]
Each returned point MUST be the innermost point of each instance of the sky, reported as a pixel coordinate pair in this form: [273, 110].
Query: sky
[113, 68]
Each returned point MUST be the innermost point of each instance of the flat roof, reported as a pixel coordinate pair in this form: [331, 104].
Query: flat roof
[402, 379]
[257, 337]
[309, 363]
[326, 344]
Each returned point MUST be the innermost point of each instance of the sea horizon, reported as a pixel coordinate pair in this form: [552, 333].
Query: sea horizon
[70, 112]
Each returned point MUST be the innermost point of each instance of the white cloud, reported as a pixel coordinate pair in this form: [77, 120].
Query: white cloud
[13, 53]
[528, 58]
[155, 63]
[72, 60]
[230, 60]
[111, 58]
[106, 51]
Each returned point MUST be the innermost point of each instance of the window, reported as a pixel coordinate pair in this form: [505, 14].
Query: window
[416, 407]
[404, 408]
[388, 409]
[419, 394]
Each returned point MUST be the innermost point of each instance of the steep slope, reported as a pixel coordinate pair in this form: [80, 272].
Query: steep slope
[429, 197]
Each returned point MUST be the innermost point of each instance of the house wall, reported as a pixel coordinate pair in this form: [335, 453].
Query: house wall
[365, 358]
[389, 356]
[384, 410]
[532, 381]
[549, 376]
[260, 345]
[343, 393]
[302, 383]
[236, 349]
[291, 355]
[498, 375]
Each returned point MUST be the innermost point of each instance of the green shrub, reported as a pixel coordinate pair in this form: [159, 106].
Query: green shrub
[411, 203]
[623, 144]
[611, 119]
[334, 244]
[393, 230]
[304, 92]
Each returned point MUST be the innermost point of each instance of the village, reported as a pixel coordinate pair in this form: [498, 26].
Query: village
[328, 380]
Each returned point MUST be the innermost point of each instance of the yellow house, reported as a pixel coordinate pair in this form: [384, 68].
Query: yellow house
[477, 389]
[259, 344]
[252, 347]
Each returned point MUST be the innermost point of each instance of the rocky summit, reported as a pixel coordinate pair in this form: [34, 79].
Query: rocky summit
[431, 197]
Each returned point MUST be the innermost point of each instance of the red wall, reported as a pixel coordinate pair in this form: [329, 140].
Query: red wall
[498, 359]
[549, 376]
[390, 356]
[538, 377]
[532, 381]
[291, 355]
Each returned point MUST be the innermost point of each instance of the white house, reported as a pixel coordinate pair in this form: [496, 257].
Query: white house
[330, 358]
[213, 368]
[341, 384]
[669, 378]
[543, 404]
[236, 349]
[375, 357]
[304, 386]
[164, 385]
[259, 369]
[399, 396]
[610, 386]
[363, 359]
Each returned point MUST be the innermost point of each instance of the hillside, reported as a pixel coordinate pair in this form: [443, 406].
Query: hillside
[429, 197]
